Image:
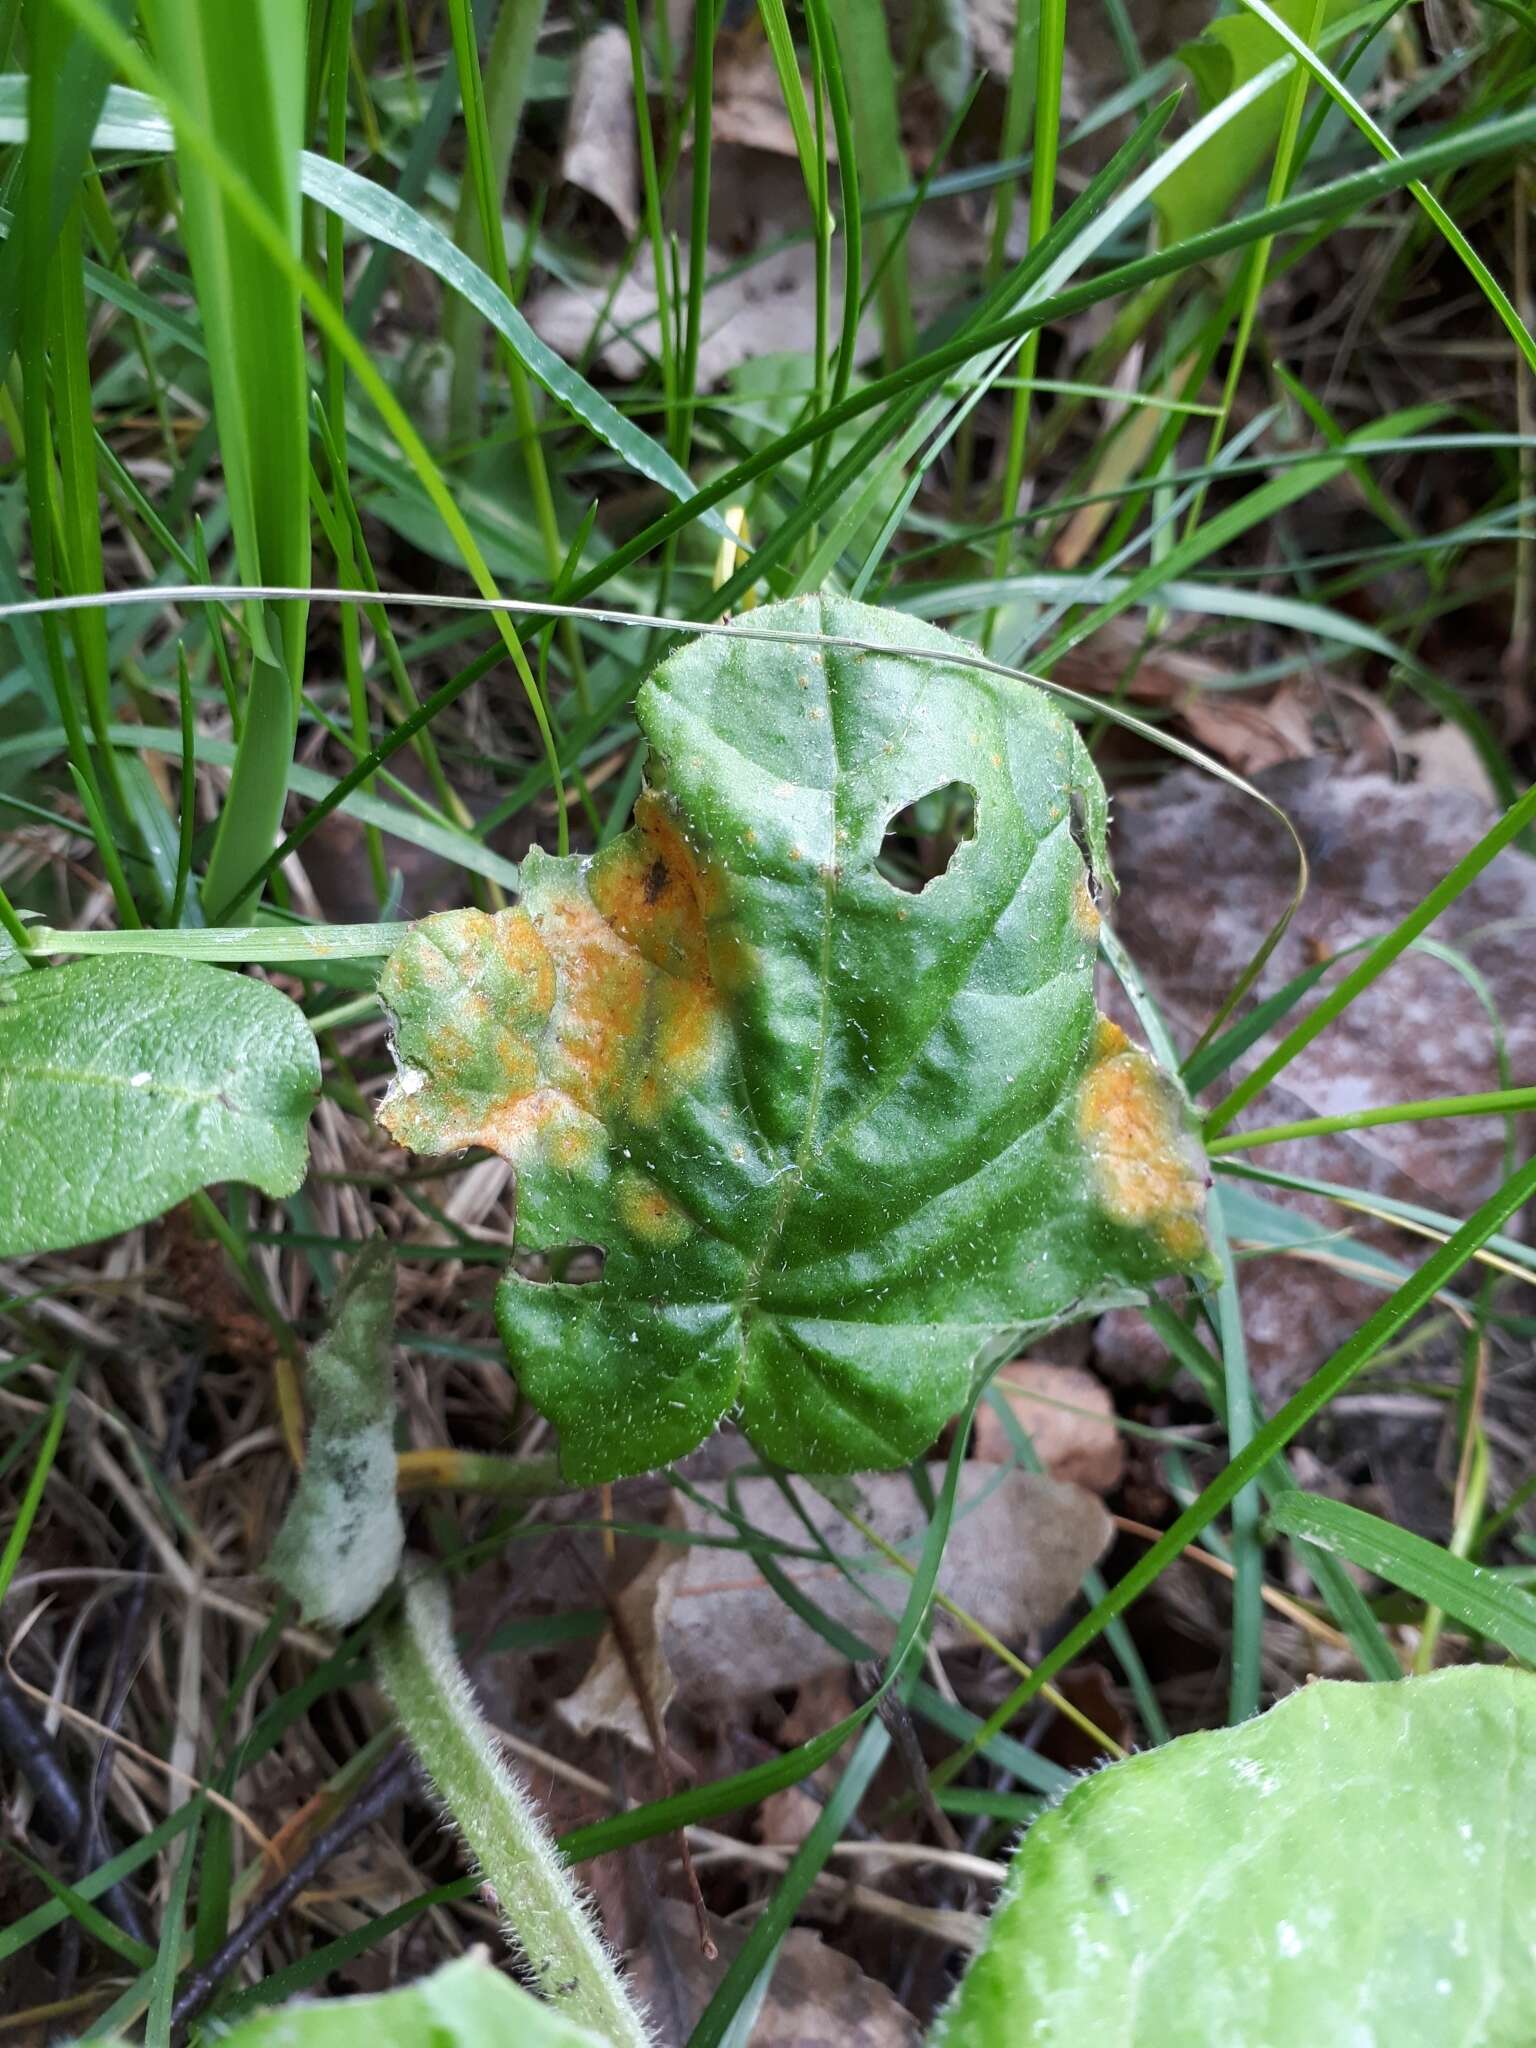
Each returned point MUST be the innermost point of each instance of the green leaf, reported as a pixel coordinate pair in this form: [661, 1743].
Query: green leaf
[832, 1138]
[1473, 1595]
[342, 1538]
[1231, 53]
[126, 1083]
[465, 2004]
[1358, 1864]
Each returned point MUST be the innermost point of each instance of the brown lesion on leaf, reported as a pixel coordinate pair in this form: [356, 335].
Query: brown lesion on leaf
[592, 1001]
[1146, 1169]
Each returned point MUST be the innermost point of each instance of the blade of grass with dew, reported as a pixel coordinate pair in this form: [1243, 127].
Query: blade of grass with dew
[1473, 1595]
[50, 398]
[65, 90]
[481, 167]
[1245, 1649]
[78, 518]
[1256, 263]
[755, 1958]
[1050, 40]
[332, 67]
[812, 150]
[1517, 1258]
[1497, 1102]
[830, 70]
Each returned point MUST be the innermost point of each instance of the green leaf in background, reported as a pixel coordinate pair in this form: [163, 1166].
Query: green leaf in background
[832, 1137]
[342, 1538]
[127, 1082]
[466, 2004]
[1230, 53]
[1356, 1865]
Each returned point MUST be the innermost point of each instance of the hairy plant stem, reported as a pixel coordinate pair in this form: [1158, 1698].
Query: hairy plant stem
[541, 1907]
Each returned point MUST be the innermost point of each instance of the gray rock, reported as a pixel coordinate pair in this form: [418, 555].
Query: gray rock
[1204, 873]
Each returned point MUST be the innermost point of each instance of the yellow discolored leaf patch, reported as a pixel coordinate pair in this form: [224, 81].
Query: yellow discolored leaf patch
[1085, 912]
[593, 1000]
[648, 1212]
[1145, 1167]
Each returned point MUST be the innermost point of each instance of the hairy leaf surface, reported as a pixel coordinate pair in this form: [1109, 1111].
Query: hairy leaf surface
[831, 1137]
[1358, 1864]
[465, 2004]
[127, 1082]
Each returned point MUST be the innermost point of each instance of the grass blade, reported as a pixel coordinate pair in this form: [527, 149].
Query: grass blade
[1329, 1380]
[1478, 1598]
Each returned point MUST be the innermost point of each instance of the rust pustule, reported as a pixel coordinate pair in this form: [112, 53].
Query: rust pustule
[591, 1001]
[1146, 1169]
[1085, 912]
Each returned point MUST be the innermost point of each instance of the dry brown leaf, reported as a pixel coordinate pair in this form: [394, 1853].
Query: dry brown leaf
[820, 1704]
[1446, 759]
[757, 199]
[1251, 737]
[818, 1997]
[606, 1698]
[787, 1817]
[1069, 1416]
[770, 307]
[749, 104]
[1016, 1554]
[601, 154]
[711, 1628]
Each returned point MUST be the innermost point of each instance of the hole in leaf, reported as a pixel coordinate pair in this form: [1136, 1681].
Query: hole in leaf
[1077, 825]
[922, 838]
[573, 1265]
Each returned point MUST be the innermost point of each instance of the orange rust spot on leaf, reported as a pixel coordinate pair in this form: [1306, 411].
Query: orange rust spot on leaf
[593, 1000]
[526, 957]
[656, 893]
[600, 1000]
[648, 1212]
[1145, 1166]
[1085, 912]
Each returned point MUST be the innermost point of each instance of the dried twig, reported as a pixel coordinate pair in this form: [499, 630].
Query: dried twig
[383, 1790]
